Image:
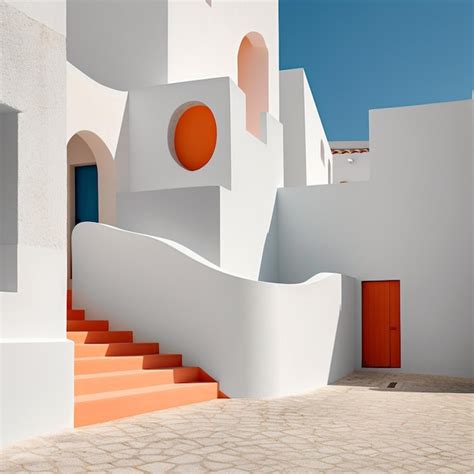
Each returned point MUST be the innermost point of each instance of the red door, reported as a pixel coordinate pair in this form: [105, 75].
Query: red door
[381, 324]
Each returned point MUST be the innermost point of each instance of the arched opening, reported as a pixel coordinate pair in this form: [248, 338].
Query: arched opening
[91, 183]
[253, 78]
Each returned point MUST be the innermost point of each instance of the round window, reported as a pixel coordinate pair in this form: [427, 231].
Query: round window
[195, 137]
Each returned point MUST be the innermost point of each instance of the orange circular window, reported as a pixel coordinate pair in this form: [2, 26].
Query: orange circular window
[195, 137]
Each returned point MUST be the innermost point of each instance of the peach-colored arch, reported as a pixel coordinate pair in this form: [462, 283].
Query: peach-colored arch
[87, 148]
[253, 78]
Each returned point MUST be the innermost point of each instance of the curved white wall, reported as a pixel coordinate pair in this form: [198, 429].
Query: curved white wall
[120, 43]
[258, 339]
[94, 107]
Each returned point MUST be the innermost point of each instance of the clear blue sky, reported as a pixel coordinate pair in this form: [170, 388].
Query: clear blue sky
[366, 54]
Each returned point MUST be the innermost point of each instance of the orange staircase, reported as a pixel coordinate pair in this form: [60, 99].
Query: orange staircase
[115, 377]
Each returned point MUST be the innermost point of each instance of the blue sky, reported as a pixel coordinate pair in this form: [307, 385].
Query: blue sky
[366, 54]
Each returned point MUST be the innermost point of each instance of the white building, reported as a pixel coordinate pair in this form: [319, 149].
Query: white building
[222, 224]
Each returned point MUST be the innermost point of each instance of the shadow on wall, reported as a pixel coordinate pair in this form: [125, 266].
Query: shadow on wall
[122, 162]
[269, 267]
[344, 350]
[344, 347]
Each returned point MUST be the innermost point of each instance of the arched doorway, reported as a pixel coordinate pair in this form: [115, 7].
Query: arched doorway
[253, 78]
[91, 183]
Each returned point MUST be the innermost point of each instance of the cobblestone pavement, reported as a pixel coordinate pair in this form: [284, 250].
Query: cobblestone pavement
[424, 424]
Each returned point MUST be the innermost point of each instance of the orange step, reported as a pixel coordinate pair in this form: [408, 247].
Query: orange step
[91, 325]
[100, 337]
[93, 365]
[116, 349]
[76, 314]
[126, 379]
[105, 406]
[116, 377]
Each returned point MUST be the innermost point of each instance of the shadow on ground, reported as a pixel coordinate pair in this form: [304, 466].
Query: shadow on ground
[395, 382]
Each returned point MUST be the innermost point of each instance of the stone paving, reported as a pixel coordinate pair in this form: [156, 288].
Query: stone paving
[424, 424]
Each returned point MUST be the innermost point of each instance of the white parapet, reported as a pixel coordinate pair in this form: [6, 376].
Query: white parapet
[258, 339]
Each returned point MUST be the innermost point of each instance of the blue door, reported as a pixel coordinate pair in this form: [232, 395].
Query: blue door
[87, 194]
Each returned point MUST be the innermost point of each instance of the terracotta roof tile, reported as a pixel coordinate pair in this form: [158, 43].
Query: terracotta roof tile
[348, 151]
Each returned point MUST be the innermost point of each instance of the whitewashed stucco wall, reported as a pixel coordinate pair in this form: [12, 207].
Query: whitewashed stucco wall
[307, 152]
[121, 44]
[236, 218]
[190, 216]
[95, 108]
[35, 354]
[247, 208]
[412, 221]
[33, 81]
[177, 40]
[152, 110]
[204, 40]
[351, 171]
[51, 13]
